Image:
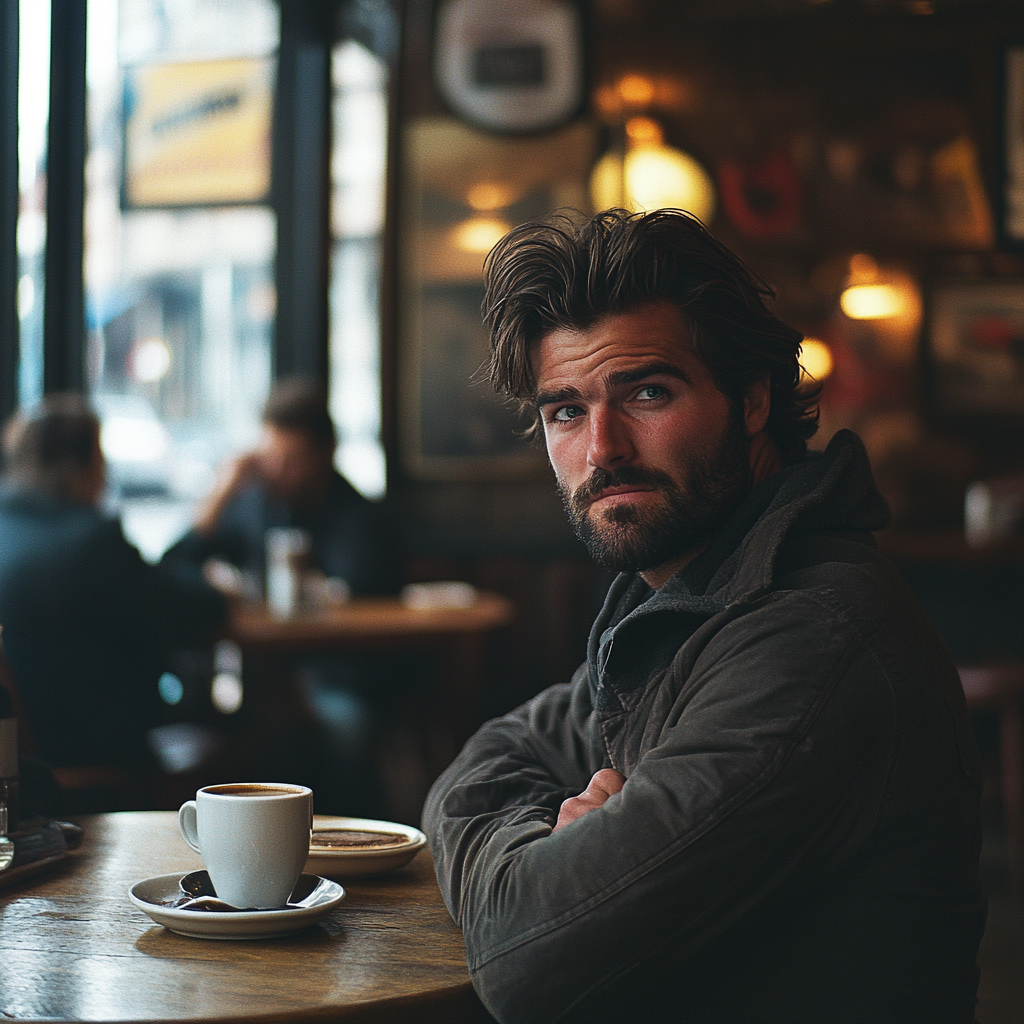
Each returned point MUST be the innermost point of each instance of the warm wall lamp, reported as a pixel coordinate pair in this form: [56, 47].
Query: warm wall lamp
[648, 175]
[871, 294]
[815, 359]
[481, 232]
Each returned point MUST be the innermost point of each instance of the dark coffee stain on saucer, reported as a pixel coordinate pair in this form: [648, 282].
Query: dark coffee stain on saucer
[196, 892]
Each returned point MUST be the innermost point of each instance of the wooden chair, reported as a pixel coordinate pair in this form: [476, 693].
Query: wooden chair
[87, 789]
[1001, 687]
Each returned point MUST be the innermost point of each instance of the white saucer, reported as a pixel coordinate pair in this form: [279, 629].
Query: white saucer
[152, 896]
[360, 863]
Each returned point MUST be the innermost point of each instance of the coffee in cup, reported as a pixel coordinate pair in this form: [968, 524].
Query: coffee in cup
[253, 838]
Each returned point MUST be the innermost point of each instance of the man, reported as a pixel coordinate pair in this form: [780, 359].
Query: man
[86, 622]
[758, 799]
[289, 479]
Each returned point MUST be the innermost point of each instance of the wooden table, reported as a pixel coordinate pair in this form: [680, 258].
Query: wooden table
[456, 636]
[369, 622]
[72, 947]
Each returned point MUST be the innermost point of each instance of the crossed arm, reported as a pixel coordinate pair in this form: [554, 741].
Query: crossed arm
[569, 881]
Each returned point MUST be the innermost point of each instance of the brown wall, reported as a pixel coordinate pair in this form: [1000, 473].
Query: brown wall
[859, 100]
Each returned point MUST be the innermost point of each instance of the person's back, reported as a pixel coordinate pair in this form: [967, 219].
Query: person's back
[86, 622]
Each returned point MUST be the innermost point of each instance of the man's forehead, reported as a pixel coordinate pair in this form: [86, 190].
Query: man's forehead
[655, 333]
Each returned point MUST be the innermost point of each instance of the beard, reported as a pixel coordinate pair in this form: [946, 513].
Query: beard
[633, 537]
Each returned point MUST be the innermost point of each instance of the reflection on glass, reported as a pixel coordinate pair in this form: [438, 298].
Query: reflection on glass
[33, 117]
[464, 189]
[358, 157]
[179, 301]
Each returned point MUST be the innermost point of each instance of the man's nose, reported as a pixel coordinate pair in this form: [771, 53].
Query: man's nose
[610, 441]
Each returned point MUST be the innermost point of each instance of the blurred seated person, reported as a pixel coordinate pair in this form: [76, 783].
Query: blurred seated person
[289, 480]
[86, 622]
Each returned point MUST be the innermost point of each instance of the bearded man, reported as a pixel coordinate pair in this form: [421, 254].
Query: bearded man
[758, 799]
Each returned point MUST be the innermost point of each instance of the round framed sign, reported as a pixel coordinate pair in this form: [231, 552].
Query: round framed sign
[512, 66]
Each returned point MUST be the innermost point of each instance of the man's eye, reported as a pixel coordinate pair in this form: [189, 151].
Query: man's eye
[651, 392]
[567, 413]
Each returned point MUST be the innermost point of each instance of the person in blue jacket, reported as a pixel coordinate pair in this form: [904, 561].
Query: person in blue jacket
[87, 623]
[289, 480]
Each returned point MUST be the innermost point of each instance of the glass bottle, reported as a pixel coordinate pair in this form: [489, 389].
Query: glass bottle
[8, 760]
[9, 788]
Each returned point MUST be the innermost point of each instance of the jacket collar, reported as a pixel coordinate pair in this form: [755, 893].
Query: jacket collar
[827, 492]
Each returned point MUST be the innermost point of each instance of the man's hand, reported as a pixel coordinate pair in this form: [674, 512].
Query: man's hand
[232, 476]
[604, 783]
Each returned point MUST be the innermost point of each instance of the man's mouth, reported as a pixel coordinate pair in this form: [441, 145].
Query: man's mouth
[607, 490]
[616, 495]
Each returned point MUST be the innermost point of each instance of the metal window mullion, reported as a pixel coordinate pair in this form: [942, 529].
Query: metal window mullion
[301, 189]
[64, 311]
[9, 192]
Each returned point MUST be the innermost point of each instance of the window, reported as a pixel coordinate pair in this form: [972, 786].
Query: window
[33, 118]
[179, 296]
[358, 159]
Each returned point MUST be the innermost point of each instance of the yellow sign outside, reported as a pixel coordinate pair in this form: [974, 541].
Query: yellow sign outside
[198, 133]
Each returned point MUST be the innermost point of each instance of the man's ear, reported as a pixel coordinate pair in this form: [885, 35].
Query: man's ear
[757, 404]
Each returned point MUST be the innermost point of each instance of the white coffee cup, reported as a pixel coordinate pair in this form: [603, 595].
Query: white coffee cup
[253, 838]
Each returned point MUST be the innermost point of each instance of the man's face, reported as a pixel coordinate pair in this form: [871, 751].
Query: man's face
[293, 466]
[649, 455]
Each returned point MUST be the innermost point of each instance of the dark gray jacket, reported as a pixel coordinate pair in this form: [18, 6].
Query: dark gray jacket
[87, 625]
[352, 538]
[798, 836]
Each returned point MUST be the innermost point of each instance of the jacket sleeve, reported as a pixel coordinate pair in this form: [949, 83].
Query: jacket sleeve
[156, 602]
[186, 556]
[364, 548]
[507, 785]
[778, 739]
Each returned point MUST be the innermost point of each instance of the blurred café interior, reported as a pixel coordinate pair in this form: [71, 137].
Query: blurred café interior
[203, 197]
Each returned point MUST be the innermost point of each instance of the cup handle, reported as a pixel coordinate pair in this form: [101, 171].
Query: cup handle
[187, 824]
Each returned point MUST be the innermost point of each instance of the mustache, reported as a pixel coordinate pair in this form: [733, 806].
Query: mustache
[627, 476]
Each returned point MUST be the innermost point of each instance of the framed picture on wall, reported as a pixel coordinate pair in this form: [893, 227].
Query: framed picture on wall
[1011, 169]
[463, 189]
[197, 133]
[975, 348]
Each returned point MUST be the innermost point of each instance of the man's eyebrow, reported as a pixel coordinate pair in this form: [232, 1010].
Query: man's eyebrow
[543, 398]
[617, 379]
[649, 370]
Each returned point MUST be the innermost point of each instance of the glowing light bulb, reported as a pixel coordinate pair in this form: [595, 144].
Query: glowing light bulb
[479, 234]
[653, 177]
[227, 693]
[150, 360]
[636, 90]
[490, 195]
[872, 301]
[815, 359]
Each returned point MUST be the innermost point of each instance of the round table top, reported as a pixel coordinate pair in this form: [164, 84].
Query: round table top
[72, 946]
[369, 621]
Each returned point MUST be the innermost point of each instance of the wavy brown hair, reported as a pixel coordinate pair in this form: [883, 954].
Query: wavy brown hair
[563, 274]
